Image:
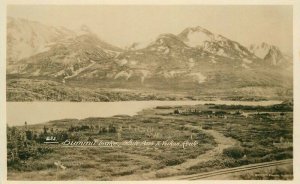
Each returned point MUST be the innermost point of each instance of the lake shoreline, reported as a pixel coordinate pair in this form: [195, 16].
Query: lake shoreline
[43, 112]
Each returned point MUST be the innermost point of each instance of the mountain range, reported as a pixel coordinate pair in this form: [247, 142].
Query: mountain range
[195, 60]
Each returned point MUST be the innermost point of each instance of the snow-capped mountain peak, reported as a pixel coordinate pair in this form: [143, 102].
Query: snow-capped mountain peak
[261, 50]
[267, 52]
[196, 36]
[193, 58]
[26, 38]
[199, 37]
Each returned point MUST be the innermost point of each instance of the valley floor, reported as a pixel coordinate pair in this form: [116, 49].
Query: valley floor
[227, 137]
[22, 89]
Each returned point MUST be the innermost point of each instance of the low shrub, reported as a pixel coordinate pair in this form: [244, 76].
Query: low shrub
[234, 152]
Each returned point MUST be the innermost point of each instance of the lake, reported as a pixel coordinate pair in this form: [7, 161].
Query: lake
[40, 112]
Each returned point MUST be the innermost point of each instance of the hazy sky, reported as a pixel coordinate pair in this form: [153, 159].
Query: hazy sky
[123, 25]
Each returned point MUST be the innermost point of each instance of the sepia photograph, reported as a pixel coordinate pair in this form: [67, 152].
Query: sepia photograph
[149, 92]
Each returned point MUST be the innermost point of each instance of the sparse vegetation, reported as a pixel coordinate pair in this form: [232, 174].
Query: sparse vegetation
[234, 152]
[277, 173]
[43, 89]
[259, 137]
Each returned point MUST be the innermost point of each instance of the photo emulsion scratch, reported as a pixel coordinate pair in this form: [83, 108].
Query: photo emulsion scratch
[156, 92]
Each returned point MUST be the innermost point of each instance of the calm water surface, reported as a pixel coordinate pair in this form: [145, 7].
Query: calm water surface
[40, 112]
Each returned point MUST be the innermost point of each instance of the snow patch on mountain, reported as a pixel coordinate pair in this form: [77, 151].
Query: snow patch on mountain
[122, 62]
[36, 73]
[167, 50]
[191, 63]
[191, 60]
[112, 53]
[198, 76]
[269, 53]
[140, 45]
[248, 61]
[245, 66]
[260, 50]
[124, 74]
[133, 62]
[76, 72]
[172, 73]
[213, 61]
[221, 52]
[197, 38]
[163, 49]
[144, 75]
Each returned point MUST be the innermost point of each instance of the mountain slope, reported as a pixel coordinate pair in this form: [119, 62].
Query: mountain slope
[66, 58]
[53, 51]
[26, 38]
[269, 53]
[196, 61]
[214, 43]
